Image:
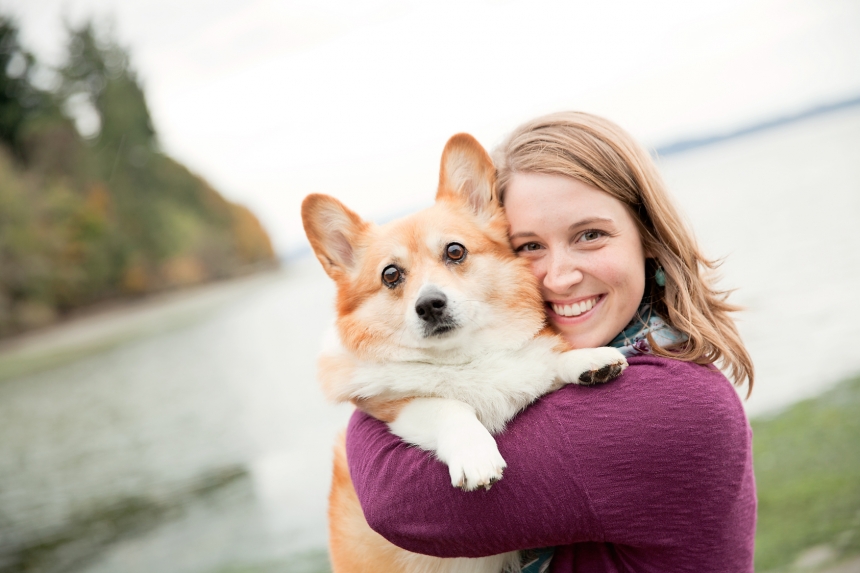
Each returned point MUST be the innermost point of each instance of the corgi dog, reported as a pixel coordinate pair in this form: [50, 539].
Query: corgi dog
[441, 333]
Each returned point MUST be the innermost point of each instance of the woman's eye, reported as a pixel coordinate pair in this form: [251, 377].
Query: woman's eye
[391, 276]
[592, 235]
[455, 252]
[528, 247]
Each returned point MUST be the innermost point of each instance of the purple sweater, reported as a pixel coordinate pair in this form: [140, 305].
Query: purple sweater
[651, 472]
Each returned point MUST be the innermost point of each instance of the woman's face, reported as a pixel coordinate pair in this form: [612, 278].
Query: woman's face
[584, 248]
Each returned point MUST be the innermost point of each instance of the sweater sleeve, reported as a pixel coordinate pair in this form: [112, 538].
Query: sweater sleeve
[657, 458]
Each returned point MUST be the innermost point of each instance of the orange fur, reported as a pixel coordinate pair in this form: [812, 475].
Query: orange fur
[354, 546]
[381, 409]
[561, 345]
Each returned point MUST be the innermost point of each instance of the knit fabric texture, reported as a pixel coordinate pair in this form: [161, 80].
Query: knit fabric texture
[651, 472]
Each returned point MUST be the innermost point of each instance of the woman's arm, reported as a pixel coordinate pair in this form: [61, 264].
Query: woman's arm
[655, 457]
[407, 495]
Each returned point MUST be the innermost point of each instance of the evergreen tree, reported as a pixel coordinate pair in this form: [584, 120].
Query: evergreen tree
[20, 100]
[98, 73]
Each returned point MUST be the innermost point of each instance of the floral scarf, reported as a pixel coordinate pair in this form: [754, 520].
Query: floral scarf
[632, 341]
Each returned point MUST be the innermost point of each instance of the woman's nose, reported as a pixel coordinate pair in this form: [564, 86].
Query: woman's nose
[562, 273]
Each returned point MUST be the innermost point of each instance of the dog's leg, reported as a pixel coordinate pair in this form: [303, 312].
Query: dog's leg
[353, 546]
[451, 430]
[590, 365]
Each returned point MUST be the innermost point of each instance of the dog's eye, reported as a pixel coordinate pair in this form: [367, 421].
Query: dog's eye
[391, 276]
[455, 252]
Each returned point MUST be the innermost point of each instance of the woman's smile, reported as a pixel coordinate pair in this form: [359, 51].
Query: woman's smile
[574, 308]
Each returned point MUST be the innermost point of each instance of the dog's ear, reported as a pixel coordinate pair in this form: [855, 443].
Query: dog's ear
[334, 233]
[468, 174]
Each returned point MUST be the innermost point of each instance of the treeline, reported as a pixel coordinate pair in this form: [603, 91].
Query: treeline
[90, 208]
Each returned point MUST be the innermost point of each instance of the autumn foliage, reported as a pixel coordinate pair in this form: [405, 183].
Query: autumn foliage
[90, 208]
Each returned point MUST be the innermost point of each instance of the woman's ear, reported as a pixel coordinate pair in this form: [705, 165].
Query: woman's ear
[467, 174]
[334, 232]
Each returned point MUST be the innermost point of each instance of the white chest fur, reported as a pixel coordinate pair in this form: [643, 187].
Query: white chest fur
[497, 384]
[457, 401]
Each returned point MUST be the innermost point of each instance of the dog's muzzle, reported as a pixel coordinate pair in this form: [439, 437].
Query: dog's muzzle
[432, 308]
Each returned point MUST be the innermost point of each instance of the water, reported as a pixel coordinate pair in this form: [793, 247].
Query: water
[188, 434]
[208, 442]
[783, 208]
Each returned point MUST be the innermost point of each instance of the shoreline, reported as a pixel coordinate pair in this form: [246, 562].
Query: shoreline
[102, 326]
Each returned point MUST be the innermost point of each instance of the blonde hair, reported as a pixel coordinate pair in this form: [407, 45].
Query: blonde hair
[599, 153]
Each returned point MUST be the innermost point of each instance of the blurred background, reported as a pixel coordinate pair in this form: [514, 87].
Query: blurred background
[160, 311]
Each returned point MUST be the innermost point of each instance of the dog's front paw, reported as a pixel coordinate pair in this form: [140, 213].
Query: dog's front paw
[476, 469]
[603, 374]
[590, 366]
[474, 461]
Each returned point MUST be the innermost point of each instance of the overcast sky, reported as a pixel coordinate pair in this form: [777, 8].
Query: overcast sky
[272, 100]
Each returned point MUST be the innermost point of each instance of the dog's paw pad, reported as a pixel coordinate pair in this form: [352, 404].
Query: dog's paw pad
[602, 375]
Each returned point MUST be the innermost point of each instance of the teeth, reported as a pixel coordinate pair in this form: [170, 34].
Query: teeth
[574, 309]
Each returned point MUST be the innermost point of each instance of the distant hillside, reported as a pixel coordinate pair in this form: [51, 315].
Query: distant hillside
[685, 145]
[104, 215]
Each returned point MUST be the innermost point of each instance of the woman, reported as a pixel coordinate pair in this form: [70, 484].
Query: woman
[650, 472]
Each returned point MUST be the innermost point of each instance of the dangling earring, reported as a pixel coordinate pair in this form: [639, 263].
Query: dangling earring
[660, 277]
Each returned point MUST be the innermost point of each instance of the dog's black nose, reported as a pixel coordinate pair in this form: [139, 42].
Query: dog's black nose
[431, 306]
